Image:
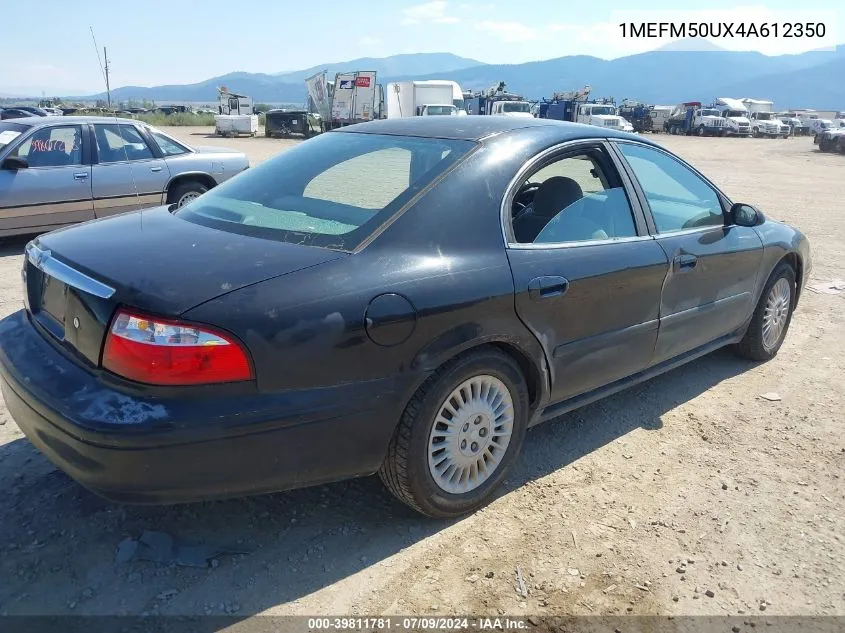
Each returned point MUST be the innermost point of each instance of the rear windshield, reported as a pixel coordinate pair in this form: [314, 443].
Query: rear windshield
[332, 191]
[10, 131]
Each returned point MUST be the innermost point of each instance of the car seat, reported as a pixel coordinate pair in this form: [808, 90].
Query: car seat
[553, 195]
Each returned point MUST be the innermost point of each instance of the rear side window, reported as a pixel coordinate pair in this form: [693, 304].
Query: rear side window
[332, 191]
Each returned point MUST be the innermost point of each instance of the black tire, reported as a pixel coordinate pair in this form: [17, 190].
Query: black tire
[840, 145]
[405, 471]
[752, 345]
[701, 130]
[824, 145]
[183, 188]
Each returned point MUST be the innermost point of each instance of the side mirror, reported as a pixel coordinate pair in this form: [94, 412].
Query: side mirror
[14, 163]
[745, 215]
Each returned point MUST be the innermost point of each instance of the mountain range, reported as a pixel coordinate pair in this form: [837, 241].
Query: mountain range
[808, 80]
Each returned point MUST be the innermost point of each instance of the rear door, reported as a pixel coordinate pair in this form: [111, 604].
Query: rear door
[586, 273]
[709, 288]
[129, 173]
[55, 188]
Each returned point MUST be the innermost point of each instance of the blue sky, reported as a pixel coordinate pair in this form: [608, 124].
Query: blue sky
[46, 45]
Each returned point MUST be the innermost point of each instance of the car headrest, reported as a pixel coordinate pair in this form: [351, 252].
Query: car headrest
[554, 195]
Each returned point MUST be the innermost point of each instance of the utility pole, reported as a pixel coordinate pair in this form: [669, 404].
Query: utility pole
[106, 70]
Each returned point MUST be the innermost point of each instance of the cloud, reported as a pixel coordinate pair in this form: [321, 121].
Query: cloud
[428, 13]
[512, 32]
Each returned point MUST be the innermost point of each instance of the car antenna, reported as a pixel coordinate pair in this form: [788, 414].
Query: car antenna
[104, 69]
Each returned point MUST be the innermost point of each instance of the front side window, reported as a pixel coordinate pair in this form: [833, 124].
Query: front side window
[574, 199]
[332, 191]
[57, 146]
[116, 143]
[167, 145]
[678, 198]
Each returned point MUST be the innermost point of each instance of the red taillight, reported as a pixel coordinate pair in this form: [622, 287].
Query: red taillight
[161, 352]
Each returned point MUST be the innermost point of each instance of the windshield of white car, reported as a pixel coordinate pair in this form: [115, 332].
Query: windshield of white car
[764, 116]
[735, 113]
[10, 131]
[515, 106]
[709, 113]
[599, 110]
[332, 191]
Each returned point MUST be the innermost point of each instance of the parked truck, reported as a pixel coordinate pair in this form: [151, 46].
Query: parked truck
[352, 97]
[659, 115]
[831, 140]
[638, 114]
[764, 122]
[574, 106]
[737, 122]
[796, 125]
[498, 101]
[691, 118]
[423, 98]
[235, 114]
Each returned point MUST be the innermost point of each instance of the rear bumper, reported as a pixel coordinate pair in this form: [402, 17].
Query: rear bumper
[144, 449]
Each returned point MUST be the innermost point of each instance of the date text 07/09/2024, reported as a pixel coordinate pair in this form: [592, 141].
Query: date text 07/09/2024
[636, 30]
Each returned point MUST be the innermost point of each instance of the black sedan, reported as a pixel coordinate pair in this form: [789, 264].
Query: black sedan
[14, 113]
[402, 297]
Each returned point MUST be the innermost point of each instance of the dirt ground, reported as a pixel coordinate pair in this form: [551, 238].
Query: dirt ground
[689, 494]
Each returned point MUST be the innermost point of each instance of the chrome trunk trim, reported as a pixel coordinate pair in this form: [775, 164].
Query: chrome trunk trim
[43, 260]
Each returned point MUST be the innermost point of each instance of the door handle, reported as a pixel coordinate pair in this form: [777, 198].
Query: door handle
[80, 176]
[155, 168]
[685, 262]
[546, 287]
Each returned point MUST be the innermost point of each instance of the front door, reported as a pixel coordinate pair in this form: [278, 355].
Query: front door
[587, 275]
[709, 289]
[127, 174]
[54, 189]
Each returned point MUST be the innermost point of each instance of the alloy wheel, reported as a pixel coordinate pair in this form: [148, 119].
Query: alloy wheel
[776, 313]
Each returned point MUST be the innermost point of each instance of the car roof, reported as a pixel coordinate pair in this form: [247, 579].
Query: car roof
[70, 120]
[479, 127]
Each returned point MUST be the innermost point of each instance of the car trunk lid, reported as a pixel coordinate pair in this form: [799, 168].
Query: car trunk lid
[150, 260]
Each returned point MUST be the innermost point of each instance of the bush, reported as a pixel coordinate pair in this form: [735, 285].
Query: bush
[178, 118]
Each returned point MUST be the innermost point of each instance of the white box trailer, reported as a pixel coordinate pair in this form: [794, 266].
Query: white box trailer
[354, 98]
[235, 124]
[235, 114]
[416, 98]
